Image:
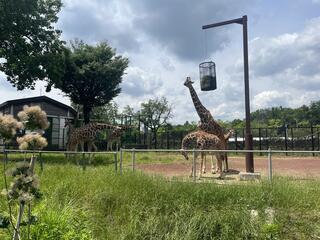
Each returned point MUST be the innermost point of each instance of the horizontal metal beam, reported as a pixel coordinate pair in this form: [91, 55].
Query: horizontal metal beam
[237, 20]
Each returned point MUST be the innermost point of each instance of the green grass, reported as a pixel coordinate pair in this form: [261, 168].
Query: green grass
[99, 204]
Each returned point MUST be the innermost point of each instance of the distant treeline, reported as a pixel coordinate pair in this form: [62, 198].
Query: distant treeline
[274, 117]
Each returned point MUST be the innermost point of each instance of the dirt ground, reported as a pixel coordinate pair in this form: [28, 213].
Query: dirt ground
[287, 166]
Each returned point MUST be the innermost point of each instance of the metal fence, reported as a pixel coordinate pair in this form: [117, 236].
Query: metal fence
[40, 153]
[269, 153]
[295, 138]
[119, 155]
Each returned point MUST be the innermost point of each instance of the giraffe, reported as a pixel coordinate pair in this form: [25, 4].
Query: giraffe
[207, 123]
[226, 136]
[203, 141]
[115, 137]
[86, 134]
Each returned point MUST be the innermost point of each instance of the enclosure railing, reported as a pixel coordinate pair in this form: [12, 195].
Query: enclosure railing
[5, 152]
[133, 152]
[269, 153]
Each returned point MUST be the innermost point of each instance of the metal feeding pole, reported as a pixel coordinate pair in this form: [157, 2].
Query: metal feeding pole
[248, 135]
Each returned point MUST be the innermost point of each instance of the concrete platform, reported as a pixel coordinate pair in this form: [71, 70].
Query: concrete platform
[245, 176]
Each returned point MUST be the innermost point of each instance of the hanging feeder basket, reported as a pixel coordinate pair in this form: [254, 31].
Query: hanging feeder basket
[208, 79]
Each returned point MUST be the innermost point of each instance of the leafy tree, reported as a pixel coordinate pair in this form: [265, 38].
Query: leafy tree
[154, 114]
[274, 123]
[314, 113]
[237, 123]
[29, 42]
[108, 112]
[92, 75]
[129, 111]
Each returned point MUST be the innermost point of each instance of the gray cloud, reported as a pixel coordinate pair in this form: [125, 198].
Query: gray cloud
[139, 82]
[293, 58]
[176, 25]
[173, 25]
[99, 20]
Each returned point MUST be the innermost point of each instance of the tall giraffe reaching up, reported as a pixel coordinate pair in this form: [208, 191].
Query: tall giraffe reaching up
[207, 123]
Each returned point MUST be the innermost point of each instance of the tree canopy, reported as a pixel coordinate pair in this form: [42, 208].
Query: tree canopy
[154, 114]
[29, 43]
[92, 75]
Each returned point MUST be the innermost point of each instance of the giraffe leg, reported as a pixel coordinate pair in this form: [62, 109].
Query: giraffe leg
[90, 150]
[201, 164]
[226, 165]
[95, 149]
[219, 164]
[192, 170]
[74, 149]
[67, 149]
[213, 171]
[109, 145]
[82, 150]
[204, 162]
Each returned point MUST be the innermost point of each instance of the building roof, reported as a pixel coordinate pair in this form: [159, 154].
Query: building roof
[37, 99]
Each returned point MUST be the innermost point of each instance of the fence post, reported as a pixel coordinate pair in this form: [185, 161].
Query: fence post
[260, 144]
[312, 139]
[292, 142]
[194, 174]
[286, 139]
[267, 138]
[5, 157]
[236, 141]
[269, 165]
[121, 156]
[83, 161]
[133, 159]
[41, 162]
[243, 139]
[318, 139]
[116, 161]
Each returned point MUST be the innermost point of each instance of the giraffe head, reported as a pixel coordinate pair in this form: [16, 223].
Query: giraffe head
[188, 82]
[229, 134]
[67, 123]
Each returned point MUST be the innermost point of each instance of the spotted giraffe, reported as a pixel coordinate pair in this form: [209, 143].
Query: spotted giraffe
[114, 137]
[203, 141]
[207, 122]
[213, 170]
[86, 134]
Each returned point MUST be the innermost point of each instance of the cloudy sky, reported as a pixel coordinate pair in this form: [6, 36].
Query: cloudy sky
[165, 43]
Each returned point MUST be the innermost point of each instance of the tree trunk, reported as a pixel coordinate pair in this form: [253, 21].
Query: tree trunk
[154, 140]
[86, 113]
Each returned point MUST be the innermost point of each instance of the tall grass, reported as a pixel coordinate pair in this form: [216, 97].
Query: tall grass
[99, 204]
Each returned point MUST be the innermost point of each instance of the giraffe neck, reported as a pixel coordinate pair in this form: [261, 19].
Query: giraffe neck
[208, 124]
[228, 135]
[201, 110]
